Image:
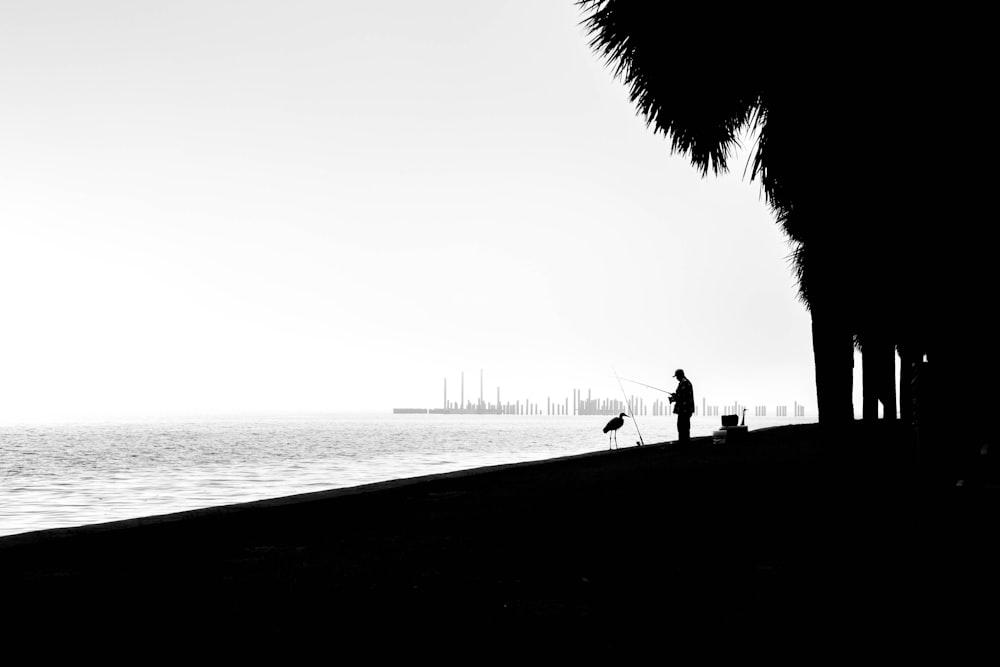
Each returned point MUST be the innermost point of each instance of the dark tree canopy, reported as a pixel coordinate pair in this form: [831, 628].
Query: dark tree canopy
[871, 150]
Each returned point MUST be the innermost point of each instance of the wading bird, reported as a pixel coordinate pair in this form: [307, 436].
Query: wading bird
[613, 427]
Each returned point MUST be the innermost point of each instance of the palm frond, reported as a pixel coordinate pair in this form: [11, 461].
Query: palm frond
[675, 77]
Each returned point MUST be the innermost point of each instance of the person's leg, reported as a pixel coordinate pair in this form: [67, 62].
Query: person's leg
[683, 428]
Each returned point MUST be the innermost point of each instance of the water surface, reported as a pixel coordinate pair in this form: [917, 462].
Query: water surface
[69, 474]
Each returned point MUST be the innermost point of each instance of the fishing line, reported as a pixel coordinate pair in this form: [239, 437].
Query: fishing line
[649, 386]
[629, 403]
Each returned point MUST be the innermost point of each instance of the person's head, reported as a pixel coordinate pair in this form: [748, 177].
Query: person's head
[679, 374]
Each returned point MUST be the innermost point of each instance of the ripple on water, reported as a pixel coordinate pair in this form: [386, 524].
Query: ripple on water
[73, 474]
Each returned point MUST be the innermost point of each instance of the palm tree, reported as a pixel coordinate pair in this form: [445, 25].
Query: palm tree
[687, 89]
[838, 113]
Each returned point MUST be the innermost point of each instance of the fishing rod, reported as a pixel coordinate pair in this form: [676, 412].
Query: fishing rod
[629, 403]
[649, 386]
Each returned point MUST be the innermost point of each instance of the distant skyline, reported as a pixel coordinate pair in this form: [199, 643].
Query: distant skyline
[247, 207]
[485, 399]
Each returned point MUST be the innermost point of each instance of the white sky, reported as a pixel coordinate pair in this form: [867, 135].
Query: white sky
[239, 206]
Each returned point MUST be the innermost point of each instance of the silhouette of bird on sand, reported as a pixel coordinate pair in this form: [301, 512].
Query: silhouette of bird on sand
[613, 427]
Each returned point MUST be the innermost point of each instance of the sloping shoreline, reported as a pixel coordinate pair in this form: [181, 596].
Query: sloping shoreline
[791, 521]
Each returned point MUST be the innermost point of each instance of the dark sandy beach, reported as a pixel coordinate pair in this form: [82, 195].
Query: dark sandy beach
[793, 527]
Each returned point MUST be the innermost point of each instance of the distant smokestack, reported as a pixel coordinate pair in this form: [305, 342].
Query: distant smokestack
[480, 386]
[461, 394]
[446, 393]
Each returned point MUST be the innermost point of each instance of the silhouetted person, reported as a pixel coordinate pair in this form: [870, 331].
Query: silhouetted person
[613, 427]
[683, 400]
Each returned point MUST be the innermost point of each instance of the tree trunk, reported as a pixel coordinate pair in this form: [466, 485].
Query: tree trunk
[887, 377]
[906, 360]
[833, 351]
[878, 378]
[870, 351]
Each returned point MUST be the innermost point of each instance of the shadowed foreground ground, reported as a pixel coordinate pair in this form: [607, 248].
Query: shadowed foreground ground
[787, 529]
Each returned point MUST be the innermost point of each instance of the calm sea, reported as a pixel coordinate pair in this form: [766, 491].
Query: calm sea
[71, 474]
